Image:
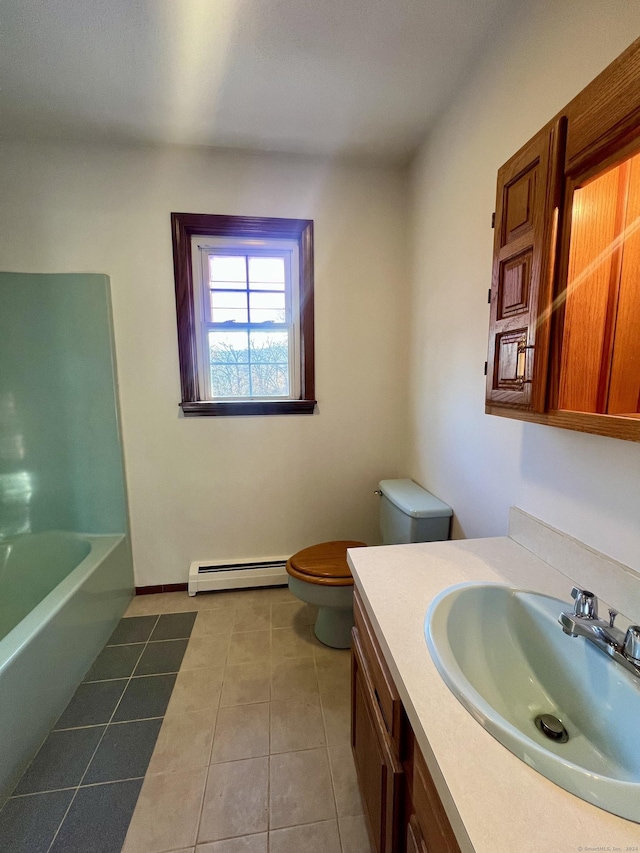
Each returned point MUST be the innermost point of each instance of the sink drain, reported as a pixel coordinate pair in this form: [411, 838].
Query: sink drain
[552, 728]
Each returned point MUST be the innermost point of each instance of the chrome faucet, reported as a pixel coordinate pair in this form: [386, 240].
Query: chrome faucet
[624, 648]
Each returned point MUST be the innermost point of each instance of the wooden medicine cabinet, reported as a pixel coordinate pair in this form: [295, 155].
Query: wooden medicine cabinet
[564, 338]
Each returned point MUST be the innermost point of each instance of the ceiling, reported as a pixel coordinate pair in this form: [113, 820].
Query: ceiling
[329, 77]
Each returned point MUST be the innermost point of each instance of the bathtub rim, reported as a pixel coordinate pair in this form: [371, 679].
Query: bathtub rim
[102, 544]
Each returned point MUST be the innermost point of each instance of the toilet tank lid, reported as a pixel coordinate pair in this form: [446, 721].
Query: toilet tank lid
[413, 500]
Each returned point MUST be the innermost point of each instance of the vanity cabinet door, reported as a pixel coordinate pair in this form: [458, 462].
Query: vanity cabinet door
[379, 771]
[526, 221]
[429, 816]
[415, 839]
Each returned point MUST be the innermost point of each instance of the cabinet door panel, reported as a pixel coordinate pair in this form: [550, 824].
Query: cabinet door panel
[429, 811]
[378, 770]
[527, 210]
[415, 839]
[383, 687]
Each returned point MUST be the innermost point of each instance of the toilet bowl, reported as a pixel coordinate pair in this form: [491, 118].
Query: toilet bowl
[320, 574]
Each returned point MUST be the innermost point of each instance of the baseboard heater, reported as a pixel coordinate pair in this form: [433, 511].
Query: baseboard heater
[210, 575]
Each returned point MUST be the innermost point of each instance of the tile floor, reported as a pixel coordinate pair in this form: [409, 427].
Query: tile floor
[214, 724]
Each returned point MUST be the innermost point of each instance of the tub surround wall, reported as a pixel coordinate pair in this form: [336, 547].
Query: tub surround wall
[239, 487]
[60, 456]
[546, 52]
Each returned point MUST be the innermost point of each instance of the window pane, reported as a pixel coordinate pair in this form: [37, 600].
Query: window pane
[230, 380]
[267, 307]
[228, 306]
[270, 380]
[269, 347]
[227, 268]
[228, 347]
[266, 273]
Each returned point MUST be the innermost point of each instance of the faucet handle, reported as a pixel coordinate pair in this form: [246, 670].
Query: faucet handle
[586, 603]
[632, 644]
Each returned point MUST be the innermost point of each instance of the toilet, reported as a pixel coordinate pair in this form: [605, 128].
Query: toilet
[320, 574]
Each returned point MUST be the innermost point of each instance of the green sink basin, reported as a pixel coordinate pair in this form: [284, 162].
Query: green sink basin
[503, 654]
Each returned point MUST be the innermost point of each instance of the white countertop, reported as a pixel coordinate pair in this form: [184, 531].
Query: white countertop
[495, 802]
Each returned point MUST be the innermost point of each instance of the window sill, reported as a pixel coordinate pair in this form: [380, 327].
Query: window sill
[207, 408]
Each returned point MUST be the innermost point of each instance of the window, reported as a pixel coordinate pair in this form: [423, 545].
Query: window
[244, 297]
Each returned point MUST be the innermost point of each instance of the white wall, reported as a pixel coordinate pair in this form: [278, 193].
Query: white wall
[588, 486]
[229, 488]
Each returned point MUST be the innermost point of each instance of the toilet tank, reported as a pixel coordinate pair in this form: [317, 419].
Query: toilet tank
[408, 513]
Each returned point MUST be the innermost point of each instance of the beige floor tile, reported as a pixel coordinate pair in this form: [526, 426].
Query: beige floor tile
[215, 621]
[246, 597]
[245, 844]
[250, 647]
[253, 616]
[292, 614]
[323, 652]
[245, 684]
[336, 710]
[345, 781]
[235, 801]
[184, 742]
[334, 673]
[353, 835]
[312, 838]
[241, 732]
[166, 815]
[294, 678]
[219, 600]
[161, 602]
[280, 593]
[292, 642]
[300, 788]
[196, 690]
[296, 724]
[207, 651]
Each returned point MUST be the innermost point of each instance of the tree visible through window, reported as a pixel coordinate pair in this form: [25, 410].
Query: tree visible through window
[244, 295]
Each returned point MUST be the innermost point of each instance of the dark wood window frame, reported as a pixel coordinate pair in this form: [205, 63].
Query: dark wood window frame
[184, 226]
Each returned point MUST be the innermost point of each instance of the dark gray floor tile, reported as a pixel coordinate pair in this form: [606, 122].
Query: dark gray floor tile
[174, 626]
[132, 629]
[98, 819]
[124, 752]
[92, 704]
[61, 761]
[145, 697]
[165, 656]
[115, 662]
[28, 824]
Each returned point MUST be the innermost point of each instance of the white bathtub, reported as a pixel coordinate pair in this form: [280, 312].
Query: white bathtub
[61, 595]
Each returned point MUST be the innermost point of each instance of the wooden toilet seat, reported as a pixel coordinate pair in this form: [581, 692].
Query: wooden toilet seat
[324, 564]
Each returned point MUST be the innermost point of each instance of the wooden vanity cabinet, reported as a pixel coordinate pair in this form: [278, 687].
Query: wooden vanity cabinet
[377, 765]
[402, 808]
[565, 303]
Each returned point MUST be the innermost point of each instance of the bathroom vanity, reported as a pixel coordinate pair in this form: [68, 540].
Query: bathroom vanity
[401, 801]
[432, 779]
